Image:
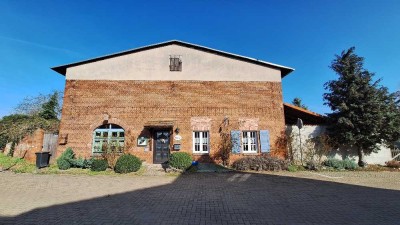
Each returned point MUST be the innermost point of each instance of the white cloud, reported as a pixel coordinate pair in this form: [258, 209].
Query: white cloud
[39, 45]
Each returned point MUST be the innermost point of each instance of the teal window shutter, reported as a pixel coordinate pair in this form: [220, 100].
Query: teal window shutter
[235, 138]
[264, 139]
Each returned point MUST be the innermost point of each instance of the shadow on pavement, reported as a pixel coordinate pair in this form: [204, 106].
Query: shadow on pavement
[229, 198]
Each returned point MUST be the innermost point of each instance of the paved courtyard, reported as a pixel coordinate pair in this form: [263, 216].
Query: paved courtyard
[202, 198]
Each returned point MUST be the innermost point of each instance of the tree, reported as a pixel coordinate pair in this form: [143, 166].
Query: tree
[32, 106]
[32, 113]
[297, 102]
[49, 108]
[364, 114]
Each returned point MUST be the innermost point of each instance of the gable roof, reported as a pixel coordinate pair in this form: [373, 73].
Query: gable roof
[284, 70]
[309, 118]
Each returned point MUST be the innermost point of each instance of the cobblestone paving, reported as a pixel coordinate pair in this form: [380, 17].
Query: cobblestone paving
[201, 198]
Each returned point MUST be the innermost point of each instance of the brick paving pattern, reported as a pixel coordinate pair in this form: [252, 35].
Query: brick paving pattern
[201, 198]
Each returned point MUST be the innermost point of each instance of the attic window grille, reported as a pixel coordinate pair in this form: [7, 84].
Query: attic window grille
[175, 63]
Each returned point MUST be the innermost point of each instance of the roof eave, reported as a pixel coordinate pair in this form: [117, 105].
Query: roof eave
[62, 69]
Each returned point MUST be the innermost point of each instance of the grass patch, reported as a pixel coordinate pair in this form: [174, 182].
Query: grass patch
[16, 165]
[295, 168]
[53, 169]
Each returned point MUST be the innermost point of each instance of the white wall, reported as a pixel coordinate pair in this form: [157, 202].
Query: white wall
[309, 131]
[153, 64]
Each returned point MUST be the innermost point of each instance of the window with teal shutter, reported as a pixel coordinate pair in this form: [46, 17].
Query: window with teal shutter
[235, 138]
[264, 139]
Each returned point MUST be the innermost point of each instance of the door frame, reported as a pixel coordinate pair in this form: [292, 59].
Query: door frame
[155, 130]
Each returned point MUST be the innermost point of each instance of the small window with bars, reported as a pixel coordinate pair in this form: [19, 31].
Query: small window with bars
[249, 142]
[201, 142]
[175, 63]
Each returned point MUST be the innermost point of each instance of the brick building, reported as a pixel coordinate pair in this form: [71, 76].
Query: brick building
[172, 96]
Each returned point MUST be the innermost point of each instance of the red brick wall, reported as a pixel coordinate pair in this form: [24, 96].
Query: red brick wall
[29, 145]
[131, 104]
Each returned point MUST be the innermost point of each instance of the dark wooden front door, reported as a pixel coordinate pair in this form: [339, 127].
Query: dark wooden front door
[161, 146]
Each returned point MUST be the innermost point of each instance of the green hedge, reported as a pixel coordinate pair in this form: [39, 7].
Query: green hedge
[180, 160]
[127, 163]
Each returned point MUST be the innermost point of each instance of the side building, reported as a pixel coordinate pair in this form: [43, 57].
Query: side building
[172, 96]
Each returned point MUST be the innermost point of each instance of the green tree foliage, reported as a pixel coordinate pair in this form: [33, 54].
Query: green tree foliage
[30, 117]
[364, 114]
[297, 102]
[32, 106]
[49, 108]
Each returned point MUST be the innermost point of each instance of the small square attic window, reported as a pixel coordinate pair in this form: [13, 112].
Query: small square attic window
[175, 63]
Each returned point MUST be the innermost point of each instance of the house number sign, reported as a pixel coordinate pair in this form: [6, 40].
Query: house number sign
[178, 137]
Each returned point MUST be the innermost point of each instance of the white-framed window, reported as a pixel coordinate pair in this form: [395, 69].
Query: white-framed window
[249, 141]
[108, 135]
[201, 142]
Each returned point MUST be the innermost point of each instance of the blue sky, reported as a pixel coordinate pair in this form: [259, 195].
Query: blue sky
[305, 35]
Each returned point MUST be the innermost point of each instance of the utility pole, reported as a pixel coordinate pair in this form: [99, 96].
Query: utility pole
[300, 125]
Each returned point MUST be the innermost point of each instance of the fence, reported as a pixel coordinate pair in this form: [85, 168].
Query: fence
[396, 154]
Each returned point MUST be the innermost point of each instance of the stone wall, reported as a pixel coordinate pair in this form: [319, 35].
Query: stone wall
[308, 131]
[186, 104]
[28, 146]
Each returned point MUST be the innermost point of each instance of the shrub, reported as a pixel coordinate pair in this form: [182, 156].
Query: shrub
[312, 165]
[180, 160]
[80, 163]
[68, 154]
[259, 163]
[334, 163]
[64, 161]
[393, 164]
[111, 152]
[349, 164]
[340, 164]
[99, 165]
[292, 168]
[127, 163]
[63, 164]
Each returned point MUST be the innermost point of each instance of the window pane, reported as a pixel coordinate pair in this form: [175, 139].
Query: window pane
[245, 142]
[196, 141]
[205, 141]
[108, 136]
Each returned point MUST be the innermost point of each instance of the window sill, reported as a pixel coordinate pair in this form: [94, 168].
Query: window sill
[249, 153]
[197, 153]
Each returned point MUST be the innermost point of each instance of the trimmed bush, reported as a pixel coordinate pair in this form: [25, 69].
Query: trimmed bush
[99, 165]
[64, 161]
[334, 163]
[180, 160]
[341, 164]
[260, 163]
[127, 163]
